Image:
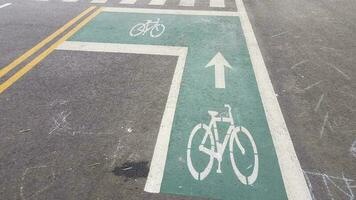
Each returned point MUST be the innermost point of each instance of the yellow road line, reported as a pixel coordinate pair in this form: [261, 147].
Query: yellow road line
[34, 49]
[45, 53]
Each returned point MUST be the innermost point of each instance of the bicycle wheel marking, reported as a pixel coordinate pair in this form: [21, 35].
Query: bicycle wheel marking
[220, 145]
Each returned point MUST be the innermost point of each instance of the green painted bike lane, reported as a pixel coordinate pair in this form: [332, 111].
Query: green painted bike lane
[205, 36]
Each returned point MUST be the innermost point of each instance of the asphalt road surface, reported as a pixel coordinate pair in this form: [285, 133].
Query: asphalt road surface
[91, 110]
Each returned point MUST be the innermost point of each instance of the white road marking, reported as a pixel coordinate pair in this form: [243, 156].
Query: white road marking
[294, 181]
[155, 176]
[128, 1]
[186, 2]
[217, 3]
[168, 11]
[219, 62]
[4, 5]
[157, 2]
[148, 26]
[98, 1]
[292, 173]
[122, 48]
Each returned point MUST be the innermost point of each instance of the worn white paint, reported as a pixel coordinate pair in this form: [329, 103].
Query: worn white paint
[5, 5]
[98, 1]
[217, 3]
[353, 149]
[341, 184]
[171, 12]
[294, 181]
[128, 1]
[312, 85]
[319, 103]
[157, 2]
[158, 162]
[186, 2]
[219, 63]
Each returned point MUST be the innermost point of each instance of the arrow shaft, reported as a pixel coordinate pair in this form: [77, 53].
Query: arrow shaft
[219, 76]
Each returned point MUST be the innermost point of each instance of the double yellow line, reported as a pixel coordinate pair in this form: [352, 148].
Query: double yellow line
[6, 84]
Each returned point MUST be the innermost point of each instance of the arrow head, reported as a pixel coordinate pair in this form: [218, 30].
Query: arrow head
[218, 60]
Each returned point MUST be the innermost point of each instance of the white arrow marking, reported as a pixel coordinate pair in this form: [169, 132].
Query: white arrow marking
[220, 63]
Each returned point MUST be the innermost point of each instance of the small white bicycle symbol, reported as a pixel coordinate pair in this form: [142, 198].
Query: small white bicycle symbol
[215, 149]
[154, 27]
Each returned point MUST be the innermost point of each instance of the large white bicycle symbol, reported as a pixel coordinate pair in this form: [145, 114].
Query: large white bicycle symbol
[216, 149]
[154, 27]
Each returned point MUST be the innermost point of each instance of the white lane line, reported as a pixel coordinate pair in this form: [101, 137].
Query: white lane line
[4, 5]
[98, 1]
[217, 3]
[292, 173]
[159, 158]
[170, 12]
[295, 183]
[127, 1]
[157, 2]
[293, 177]
[122, 48]
[186, 2]
[155, 176]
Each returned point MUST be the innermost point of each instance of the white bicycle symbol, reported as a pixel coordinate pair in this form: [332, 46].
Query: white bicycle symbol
[154, 27]
[216, 149]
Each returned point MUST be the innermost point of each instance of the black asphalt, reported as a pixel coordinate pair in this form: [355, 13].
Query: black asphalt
[83, 125]
[309, 48]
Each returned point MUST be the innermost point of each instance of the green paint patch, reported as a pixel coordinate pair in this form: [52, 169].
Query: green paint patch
[220, 145]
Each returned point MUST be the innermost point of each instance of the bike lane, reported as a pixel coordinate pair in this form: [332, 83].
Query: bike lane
[206, 37]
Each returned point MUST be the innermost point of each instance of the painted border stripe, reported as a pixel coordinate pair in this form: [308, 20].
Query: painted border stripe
[159, 158]
[4, 5]
[293, 177]
[45, 53]
[170, 12]
[122, 48]
[34, 49]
